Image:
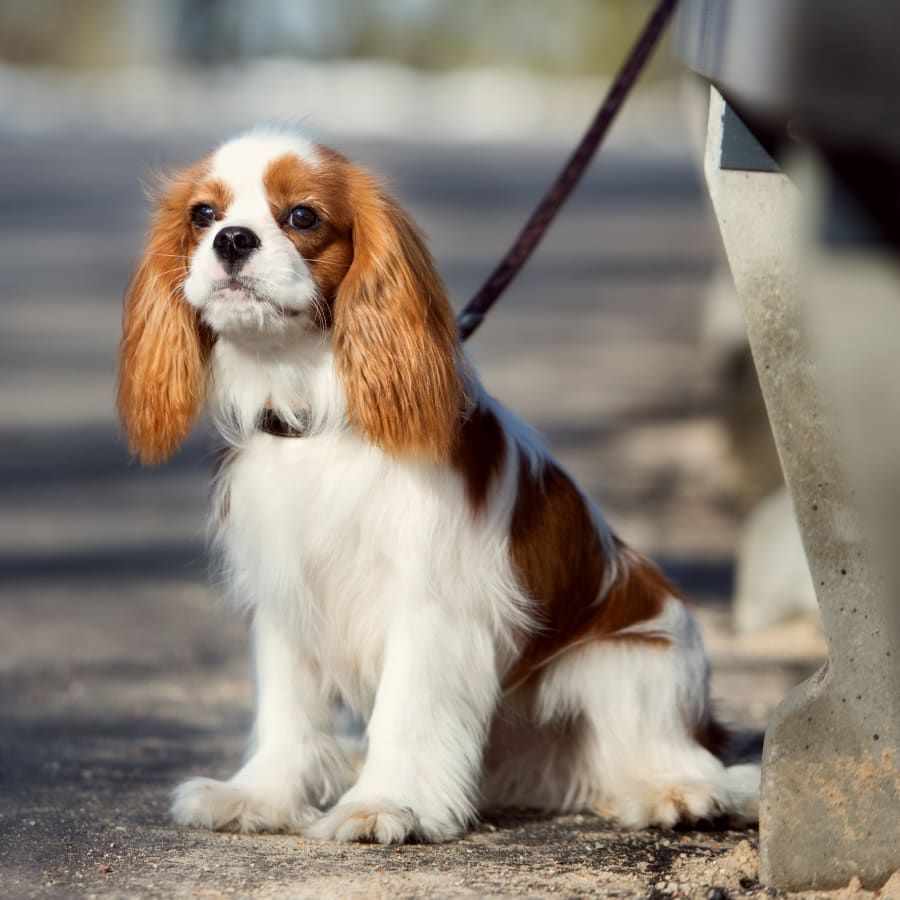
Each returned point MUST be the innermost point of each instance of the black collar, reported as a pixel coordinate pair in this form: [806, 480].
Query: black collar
[271, 423]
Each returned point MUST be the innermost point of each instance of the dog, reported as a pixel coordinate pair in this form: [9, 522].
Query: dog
[403, 542]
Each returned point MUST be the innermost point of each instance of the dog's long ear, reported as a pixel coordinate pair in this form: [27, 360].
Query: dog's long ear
[164, 351]
[394, 334]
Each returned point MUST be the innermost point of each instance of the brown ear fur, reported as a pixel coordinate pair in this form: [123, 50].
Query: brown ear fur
[164, 349]
[394, 333]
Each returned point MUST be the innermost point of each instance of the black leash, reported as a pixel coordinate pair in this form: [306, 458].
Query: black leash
[536, 227]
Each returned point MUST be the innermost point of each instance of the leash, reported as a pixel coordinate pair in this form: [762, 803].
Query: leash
[536, 227]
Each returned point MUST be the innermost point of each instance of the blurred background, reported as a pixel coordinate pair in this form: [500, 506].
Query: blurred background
[120, 670]
[575, 37]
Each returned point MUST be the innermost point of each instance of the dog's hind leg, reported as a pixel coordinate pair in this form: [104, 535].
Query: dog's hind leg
[643, 746]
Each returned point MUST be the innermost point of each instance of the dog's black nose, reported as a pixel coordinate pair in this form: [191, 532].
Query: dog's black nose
[233, 245]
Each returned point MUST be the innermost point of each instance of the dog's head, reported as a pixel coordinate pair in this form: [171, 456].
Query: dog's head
[268, 240]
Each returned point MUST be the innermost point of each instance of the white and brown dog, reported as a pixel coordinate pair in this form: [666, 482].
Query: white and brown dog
[416, 551]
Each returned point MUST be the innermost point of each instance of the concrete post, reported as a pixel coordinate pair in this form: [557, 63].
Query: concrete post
[831, 773]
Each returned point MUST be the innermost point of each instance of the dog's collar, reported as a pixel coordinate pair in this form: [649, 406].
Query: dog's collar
[271, 423]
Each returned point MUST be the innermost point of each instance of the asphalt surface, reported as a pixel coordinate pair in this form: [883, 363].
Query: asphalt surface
[120, 670]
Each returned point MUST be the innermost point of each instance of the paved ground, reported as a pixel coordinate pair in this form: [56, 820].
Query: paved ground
[120, 673]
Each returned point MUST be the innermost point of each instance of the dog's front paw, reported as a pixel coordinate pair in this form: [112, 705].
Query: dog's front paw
[379, 822]
[228, 806]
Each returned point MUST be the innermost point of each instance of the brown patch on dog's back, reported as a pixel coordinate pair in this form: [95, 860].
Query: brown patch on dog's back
[638, 594]
[556, 552]
[561, 562]
[479, 454]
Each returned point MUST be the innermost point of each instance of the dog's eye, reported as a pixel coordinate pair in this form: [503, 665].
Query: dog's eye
[303, 218]
[203, 215]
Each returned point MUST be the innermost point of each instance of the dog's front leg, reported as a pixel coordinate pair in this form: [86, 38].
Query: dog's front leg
[436, 694]
[294, 764]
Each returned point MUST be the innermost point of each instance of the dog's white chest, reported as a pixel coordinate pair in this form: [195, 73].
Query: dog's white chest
[314, 527]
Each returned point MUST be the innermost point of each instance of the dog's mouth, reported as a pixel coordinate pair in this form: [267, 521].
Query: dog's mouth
[243, 289]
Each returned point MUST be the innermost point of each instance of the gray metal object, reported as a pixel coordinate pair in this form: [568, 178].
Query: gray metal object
[740, 150]
[824, 69]
[822, 74]
[831, 774]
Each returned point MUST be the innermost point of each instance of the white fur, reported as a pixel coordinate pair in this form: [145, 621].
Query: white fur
[370, 579]
[276, 274]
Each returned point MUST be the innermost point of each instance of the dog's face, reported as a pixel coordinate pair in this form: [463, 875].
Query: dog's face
[269, 239]
[270, 223]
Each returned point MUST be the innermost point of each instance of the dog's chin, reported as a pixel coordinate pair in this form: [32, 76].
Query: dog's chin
[243, 309]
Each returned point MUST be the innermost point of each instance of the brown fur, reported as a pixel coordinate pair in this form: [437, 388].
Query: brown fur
[478, 455]
[164, 349]
[394, 333]
[561, 563]
[328, 248]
